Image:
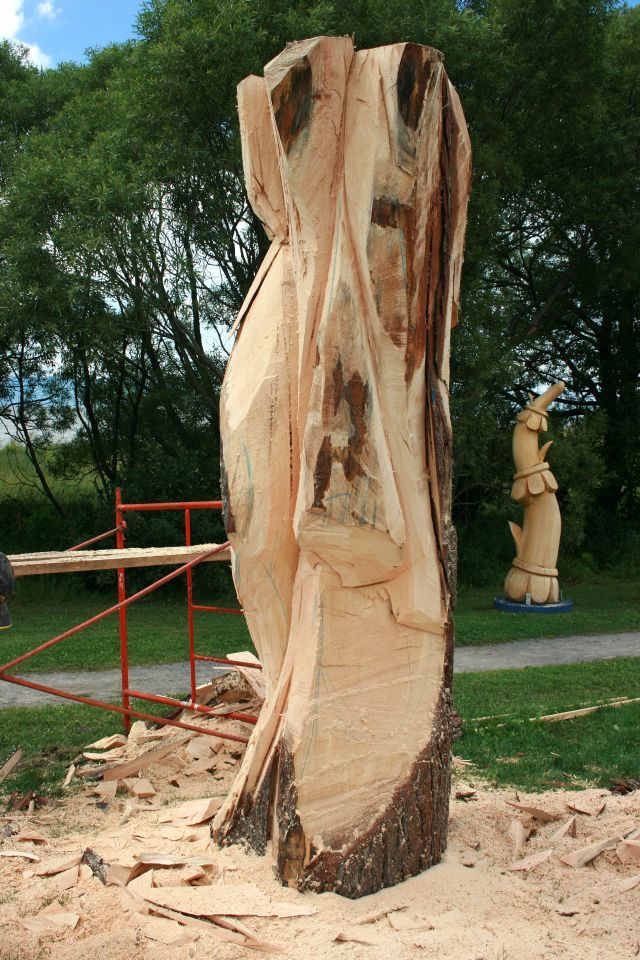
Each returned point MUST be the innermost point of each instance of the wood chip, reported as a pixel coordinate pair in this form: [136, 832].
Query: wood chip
[30, 836]
[534, 860]
[379, 914]
[466, 794]
[139, 787]
[404, 921]
[10, 764]
[131, 767]
[98, 866]
[51, 920]
[519, 834]
[216, 928]
[104, 757]
[237, 900]
[536, 812]
[172, 860]
[253, 676]
[105, 791]
[626, 850]
[192, 812]
[567, 911]
[357, 935]
[122, 872]
[58, 865]
[568, 829]
[582, 810]
[579, 858]
[24, 854]
[70, 775]
[629, 883]
[65, 880]
[169, 932]
[201, 748]
[142, 883]
[140, 729]
[109, 743]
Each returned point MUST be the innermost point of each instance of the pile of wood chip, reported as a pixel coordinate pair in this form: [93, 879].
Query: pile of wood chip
[125, 865]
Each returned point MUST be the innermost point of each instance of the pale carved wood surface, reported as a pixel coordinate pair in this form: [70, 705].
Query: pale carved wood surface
[78, 561]
[537, 542]
[337, 459]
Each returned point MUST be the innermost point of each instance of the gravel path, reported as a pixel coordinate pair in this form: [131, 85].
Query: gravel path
[173, 678]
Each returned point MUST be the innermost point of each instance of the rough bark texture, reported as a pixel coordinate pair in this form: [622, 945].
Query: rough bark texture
[337, 460]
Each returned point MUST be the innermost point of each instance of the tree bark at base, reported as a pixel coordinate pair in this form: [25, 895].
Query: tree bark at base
[408, 838]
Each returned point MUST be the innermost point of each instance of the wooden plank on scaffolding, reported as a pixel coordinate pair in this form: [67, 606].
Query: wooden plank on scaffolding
[80, 561]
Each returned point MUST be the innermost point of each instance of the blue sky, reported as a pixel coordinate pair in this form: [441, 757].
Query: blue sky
[57, 30]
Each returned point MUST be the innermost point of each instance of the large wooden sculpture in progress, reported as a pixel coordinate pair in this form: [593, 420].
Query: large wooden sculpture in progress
[337, 460]
[533, 571]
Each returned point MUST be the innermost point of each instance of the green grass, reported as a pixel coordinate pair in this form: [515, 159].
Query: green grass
[156, 628]
[601, 605]
[535, 756]
[51, 738]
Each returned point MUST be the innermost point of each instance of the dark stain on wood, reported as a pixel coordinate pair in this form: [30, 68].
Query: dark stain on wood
[388, 212]
[355, 392]
[322, 473]
[338, 385]
[293, 103]
[413, 77]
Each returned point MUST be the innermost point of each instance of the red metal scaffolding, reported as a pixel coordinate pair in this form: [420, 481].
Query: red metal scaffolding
[128, 694]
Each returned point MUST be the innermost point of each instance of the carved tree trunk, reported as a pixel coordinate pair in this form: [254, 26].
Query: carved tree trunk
[337, 460]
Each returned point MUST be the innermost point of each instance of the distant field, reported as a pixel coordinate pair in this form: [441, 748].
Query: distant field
[18, 477]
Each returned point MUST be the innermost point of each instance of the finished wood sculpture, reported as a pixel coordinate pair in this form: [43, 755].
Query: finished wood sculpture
[537, 542]
[337, 460]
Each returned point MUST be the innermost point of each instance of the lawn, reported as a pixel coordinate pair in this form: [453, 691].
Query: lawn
[601, 605]
[582, 752]
[508, 751]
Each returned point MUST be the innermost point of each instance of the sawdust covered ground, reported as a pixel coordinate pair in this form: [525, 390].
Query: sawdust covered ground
[471, 907]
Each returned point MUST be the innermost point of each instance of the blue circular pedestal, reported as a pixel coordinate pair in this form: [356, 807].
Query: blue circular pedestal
[511, 606]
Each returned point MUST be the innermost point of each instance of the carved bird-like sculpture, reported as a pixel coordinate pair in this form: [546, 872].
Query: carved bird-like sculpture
[533, 571]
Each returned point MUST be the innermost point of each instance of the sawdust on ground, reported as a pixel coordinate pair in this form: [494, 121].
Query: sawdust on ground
[470, 907]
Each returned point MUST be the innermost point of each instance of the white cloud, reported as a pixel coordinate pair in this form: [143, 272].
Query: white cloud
[37, 56]
[11, 18]
[47, 9]
[12, 21]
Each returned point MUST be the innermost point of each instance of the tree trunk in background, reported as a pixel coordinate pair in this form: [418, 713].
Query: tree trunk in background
[337, 460]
